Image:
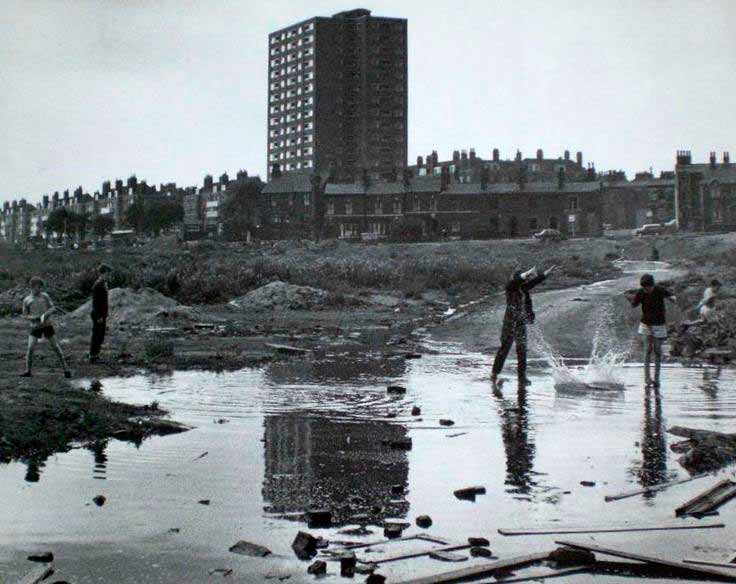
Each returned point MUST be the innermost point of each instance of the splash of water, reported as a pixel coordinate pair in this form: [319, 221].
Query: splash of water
[603, 369]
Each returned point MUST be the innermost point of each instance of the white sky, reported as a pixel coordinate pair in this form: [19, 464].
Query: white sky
[172, 90]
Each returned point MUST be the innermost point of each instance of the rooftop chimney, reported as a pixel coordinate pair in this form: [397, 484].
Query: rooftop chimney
[208, 183]
[684, 157]
[579, 158]
[712, 159]
[456, 156]
[444, 178]
[224, 178]
[726, 158]
[435, 158]
[496, 155]
[518, 155]
[420, 162]
[567, 155]
[540, 155]
[472, 155]
[561, 178]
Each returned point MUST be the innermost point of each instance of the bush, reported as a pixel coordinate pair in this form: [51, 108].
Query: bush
[157, 347]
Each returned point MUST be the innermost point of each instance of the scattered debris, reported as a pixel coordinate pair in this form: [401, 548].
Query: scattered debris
[304, 546]
[44, 557]
[204, 501]
[396, 389]
[174, 530]
[99, 500]
[469, 493]
[447, 423]
[375, 579]
[424, 521]
[347, 564]
[246, 548]
[322, 543]
[281, 296]
[443, 556]
[708, 501]
[554, 530]
[650, 560]
[317, 568]
[416, 411]
[317, 518]
[286, 349]
[588, 483]
[412, 356]
[652, 489]
[365, 569]
[481, 552]
[456, 435]
[200, 456]
[710, 450]
[37, 574]
[392, 531]
[224, 572]
[565, 556]
[478, 542]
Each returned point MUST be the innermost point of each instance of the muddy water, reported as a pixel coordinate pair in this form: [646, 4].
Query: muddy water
[269, 443]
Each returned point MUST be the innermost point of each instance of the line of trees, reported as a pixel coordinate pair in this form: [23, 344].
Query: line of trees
[66, 223]
[151, 217]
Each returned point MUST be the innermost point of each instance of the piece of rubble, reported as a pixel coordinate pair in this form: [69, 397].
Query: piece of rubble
[224, 572]
[469, 493]
[317, 568]
[43, 557]
[347, 564]
[588, 483]
[204, 501]
[481, 552]
[416, 411]
[99, 500]
[447, 423]
[317, 518]
[396, 389]
[247, 548]
[478, 542]
[447, 556]
[375, 579]
[392, 531]
[365, 569]
[424, 521]
[304, 545]
[570, 557]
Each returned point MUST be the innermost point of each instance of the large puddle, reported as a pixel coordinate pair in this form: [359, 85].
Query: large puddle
[300, 433]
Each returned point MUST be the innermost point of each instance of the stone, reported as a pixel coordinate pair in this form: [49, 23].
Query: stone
[99, 500]
[397, 490]
[447, 423]
[478, 542]
[204, 501]
[412, 356]
[397, 389]
[588, 483]
[375, 579]
[469, 493]
[347, 564]
[317, 568]
[481, 552]
[392, 531]
[317, 518]
[43, 557]
[570, 557]
[304, 545]
[416, 411]
[246, 548]
[424, 521]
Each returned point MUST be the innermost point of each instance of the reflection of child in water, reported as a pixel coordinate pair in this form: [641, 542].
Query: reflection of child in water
[707, 306]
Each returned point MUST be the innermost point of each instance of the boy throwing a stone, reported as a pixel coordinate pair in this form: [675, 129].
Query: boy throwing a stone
[37, 310]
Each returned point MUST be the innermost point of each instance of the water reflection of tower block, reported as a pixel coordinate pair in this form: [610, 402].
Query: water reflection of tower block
[312, 461]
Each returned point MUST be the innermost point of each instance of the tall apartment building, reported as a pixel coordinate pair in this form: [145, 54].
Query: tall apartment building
[337, 98]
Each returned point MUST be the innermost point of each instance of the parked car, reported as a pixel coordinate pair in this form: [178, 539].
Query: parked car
[548, 235]
[649, 229]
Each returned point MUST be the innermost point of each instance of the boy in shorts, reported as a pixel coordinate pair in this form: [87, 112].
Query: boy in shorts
[653, 325]
[37, 310]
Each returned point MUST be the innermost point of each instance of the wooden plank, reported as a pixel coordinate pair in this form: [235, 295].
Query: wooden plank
[708, 500]
[562, 530]
[37, 574]
[287, 349]
[709, 563]
[420, 536]
[652, 489]
[702, 570]
[557, 574]
[420, 553]
[480, 571]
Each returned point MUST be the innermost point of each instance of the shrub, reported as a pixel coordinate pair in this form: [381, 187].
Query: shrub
[158, 346]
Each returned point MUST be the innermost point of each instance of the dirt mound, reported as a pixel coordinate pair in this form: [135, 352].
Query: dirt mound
[281, 296]
[130, 307]
[11, 300]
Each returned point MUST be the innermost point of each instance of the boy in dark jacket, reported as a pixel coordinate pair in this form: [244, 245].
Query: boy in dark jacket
[99, 313]
[519, 312]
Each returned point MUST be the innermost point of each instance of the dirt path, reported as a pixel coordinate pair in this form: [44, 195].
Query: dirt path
[566, 317]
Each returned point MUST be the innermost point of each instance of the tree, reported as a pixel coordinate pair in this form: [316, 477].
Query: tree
[58, 222]
[102, 225]
[135, 216]
[239, 210]
[162, 214]
[78, 223]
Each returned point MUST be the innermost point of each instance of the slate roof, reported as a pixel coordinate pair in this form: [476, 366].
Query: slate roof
[722, 172]
[290, 182]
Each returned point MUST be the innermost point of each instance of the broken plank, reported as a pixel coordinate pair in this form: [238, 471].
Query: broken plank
[692, 568]
[287, 349]
[420, 536]
[730, 565]
[480, 571]
[652, 489]
[37, 574]
[561, 530]
[708, 500]
[420, 553]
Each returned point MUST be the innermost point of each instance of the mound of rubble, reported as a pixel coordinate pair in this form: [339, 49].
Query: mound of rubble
[281, 296]
[133, 307]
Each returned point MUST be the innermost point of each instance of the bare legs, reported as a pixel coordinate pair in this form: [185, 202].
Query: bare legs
[55, 346]
[652, 346]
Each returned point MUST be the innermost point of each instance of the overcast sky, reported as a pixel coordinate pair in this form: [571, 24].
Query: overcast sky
[172, 90]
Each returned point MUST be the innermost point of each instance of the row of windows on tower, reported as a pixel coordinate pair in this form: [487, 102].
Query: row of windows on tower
[292, 105]
[292, 129]
[292, 93]
[276, 144]
[300, 66]
[287, 34]
[280, 61]
[291, 45]
[308, 76]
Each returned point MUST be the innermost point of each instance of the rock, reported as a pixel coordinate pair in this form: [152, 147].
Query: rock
[317, 568]
[347, 564]
[397, 490]
[588, 483]
[469, 493]
[317, 518]
[43, 557]
[424, 521]
[204, 501]
[447, 557]
[478, 542]
[392, 531]
[481, 552]
[412, 356]
[322, 543]
[396, 389]
[304, 545]
[224, 572]
[281, 296]
[447, 423]
[174, 530]
[365, 569]
[570, 557]
[246, 548]
[416, 411]
[99, 500]
[375, 579]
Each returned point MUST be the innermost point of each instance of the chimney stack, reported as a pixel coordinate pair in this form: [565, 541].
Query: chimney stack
[684, 157]
[456, 156]
[561, 178]
[224, 179]
[484, 178]
[435, 158]
[518, 155]
[712, 159]
[540, 155]
[208, 183]
[567, 155]
[444, 178]
[496, 155]
[726, 158]
[472, 156]
[420, 162]
[579, 158]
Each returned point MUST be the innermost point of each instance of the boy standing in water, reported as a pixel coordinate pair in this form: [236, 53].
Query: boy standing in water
[653, 325]
[519, 312]
[99, 313]
[37, 309]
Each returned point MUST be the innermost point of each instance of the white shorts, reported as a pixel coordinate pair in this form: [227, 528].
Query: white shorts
[658, 331]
